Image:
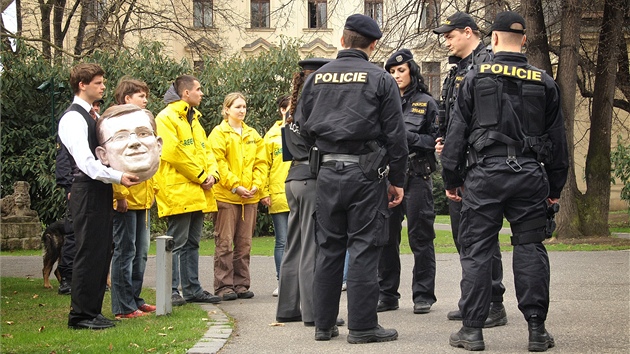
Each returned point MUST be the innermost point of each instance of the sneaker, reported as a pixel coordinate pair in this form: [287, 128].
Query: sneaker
[177, 300]
[147, 308]
[64, 287]
[245, 294]
[205, 296]
[228, 295]
[376, 334]
[136, 313]
[275, 293]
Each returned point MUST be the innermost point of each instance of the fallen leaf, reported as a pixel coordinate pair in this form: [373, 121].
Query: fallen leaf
[7, 335]
[134, 345]
[14, 292]
[10, 322]
[213, 312]
[149, 350]
[42, 305]
[204, 319]
[41, 329]
[170, 328]
[35, 296]
[277, 324]
[162, 334]
[111, 347]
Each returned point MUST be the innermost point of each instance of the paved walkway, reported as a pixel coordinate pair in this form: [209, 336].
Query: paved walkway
[589, 311]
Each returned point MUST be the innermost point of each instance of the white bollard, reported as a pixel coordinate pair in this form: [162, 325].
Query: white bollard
[163, 275]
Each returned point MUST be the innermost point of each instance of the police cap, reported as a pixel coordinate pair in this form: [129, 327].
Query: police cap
[504, 21]
[313, 63]
[363, 25]
[398, 58]
[457, 20]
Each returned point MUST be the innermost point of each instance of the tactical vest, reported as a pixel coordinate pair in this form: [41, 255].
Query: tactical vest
[524, 83]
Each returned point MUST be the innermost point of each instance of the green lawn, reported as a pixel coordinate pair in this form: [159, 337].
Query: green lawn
[34, 320]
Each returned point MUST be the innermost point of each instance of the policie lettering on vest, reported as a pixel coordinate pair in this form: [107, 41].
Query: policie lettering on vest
[513, 71]
[341, 78]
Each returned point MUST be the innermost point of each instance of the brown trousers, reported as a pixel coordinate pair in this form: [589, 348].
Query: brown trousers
[234, 229]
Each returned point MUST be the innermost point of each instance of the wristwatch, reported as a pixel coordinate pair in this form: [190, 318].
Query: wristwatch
[234, 190]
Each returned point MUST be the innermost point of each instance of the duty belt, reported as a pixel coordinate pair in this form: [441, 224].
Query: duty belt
[341, 158]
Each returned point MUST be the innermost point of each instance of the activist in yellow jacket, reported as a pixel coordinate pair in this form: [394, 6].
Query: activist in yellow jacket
[278, 170]
[186, 162]
[241, 160]
[139, 197]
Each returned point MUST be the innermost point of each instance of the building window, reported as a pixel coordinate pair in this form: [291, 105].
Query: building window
[260, 13]
[374, 9]
[431, 74]
[202, 13]
[96, 10]
[317, 13]
[430, 14]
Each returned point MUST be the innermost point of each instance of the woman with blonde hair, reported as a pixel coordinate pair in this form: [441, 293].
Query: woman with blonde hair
[240, 154]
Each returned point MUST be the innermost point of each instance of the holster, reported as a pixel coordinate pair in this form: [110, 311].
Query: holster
[422, 164]
[373, 163]
[314, 160]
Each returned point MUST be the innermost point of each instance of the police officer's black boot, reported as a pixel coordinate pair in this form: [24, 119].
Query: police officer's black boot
[539, 339]
[65, 287]
[497, 315]
[468, 338]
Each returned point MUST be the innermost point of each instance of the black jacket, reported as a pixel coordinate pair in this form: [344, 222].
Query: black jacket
[347, 103]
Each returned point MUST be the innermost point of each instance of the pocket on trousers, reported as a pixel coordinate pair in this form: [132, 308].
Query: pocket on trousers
[379, 229]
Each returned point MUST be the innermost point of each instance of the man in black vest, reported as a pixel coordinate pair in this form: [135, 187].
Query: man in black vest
[90, 199]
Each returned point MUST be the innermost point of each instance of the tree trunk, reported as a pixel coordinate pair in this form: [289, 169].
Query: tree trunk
[60, 6]
[594, 209]
[78, 45]
[537, 41]
[568, 218]
[45, 8]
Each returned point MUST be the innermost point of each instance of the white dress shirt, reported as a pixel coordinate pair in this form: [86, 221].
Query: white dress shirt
[73, 132]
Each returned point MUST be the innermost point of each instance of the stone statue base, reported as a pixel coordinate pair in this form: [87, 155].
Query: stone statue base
[20, 235]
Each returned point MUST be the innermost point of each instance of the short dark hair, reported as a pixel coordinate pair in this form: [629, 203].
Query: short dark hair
[85, 73]
[353, 39]
[127, 87]
[184, 82]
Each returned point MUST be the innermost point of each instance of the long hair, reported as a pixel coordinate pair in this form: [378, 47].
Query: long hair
[417, 80]
[297, 83]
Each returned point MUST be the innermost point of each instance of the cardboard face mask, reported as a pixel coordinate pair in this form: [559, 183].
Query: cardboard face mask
[131, 145]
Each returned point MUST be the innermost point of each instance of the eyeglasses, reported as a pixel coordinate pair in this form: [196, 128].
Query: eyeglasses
[124, 135]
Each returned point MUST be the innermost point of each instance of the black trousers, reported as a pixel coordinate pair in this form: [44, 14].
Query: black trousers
[351, 212]
[498, 289]
[493, 190]
[91, 208]
[68, 250]
[418, 206]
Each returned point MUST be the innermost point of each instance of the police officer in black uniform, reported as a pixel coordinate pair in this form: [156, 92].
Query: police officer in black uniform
[351, 112]
[509, 113]
[462, 37]
[420, 112]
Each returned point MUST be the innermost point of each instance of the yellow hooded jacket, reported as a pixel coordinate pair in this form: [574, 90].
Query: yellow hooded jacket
[278, 170]
[139, 197]
[241, 160]
[185, 163]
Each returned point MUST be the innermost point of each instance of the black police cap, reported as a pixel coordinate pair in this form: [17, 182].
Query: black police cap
[313, 63]
[363, 25]
[456, 20]
[504, 21]
[398, 58]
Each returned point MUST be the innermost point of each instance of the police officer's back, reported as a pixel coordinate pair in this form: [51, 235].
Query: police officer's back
[509, 113]
[351, 112]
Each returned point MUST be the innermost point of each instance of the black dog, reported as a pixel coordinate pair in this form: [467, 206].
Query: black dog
[52, 242]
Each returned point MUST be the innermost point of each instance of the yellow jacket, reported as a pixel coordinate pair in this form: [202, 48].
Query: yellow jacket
[185, 163]
[241, 161]
[139, 197]
[278, 170]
